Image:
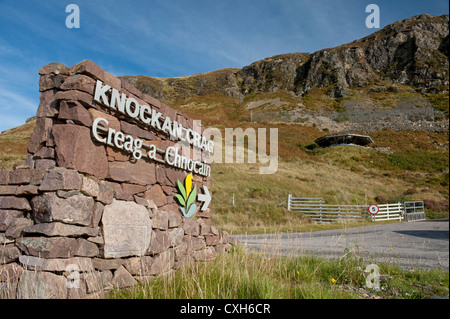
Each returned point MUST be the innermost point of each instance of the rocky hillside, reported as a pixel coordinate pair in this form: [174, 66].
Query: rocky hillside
[412, 52]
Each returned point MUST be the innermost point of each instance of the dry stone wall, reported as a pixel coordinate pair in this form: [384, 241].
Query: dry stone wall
[80, 217]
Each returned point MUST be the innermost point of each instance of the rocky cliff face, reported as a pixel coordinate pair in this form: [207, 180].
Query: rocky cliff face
[414, 51]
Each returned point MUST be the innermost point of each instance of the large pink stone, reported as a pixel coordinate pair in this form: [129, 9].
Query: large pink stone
[76, 150]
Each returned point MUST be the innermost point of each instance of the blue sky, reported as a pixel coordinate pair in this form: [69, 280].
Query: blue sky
[171, 37]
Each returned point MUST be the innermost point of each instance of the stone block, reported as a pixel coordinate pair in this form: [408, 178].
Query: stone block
[136, 131]
[113, 122]
[45, 153]
[40, 135]
[14, 203]
[48, 247]
[57, 229]
[86, 248]
[191, 227]
[74, 95]
[129, 190]
[157, 195]
[162, 263]
[122, 278]
[176, 236]
[54, 68]
[37, 176]
[161, 220]
[91, 69]
[59, 264]
[41, 285]
[60, 178]
[105, 194]
[47, 104]
[8, 190]
[76, 210]
[98, 281]
[17, 226]
[51, 81]
[7, 217]
[10, 272]
[126, 229]
[8, 253]
[4, 177]
[97, 214]
[76, 150]
[212, 240]
[20, 176]
[107, 264]
[89, 187]
[207, 254]
[160, 242]
[141, 172]
[175, 219]
[73, 110]
[79, 82]
[46, 164]
[27, 190]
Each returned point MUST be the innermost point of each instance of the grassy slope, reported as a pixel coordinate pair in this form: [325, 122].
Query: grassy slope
[13, 145]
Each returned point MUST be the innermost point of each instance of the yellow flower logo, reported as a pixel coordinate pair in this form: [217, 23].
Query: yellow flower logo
[187, 196]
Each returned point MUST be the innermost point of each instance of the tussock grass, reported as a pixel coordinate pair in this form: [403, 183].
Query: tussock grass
[249, 275]
[239, 275]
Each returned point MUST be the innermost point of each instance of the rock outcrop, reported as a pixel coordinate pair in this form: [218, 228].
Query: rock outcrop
[412, 51]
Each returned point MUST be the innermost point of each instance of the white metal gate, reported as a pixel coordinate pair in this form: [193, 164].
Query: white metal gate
[414, 211]
[318, 210]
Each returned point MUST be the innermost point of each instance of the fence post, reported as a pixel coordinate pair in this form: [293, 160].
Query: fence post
[289, 202]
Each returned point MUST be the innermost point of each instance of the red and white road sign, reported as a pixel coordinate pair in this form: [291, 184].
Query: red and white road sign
[374, 209]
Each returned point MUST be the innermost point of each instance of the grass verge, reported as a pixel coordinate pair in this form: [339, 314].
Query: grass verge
[248, 275]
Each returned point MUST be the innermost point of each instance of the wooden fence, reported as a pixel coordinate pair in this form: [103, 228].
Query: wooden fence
[318, 210]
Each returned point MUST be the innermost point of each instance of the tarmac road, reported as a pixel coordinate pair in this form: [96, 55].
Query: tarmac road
[410, 245]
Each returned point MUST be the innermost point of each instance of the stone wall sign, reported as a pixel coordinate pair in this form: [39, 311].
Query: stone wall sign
[115, 188]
